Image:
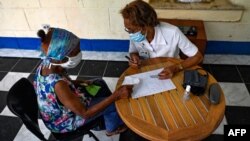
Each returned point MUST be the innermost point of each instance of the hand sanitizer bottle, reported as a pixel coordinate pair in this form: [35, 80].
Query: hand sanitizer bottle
[186, 95]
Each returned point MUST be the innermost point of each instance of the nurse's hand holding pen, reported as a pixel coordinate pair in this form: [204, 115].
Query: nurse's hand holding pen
[168, 72]
[134, 61]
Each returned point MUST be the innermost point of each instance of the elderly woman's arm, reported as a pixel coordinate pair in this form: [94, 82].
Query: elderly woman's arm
[72, 102]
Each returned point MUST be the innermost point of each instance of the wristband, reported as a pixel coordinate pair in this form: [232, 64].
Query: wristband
[180, 67]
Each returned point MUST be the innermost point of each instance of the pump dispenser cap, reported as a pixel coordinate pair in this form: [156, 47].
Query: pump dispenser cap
[188, 88]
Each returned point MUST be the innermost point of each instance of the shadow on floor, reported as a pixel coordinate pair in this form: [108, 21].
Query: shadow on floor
[129, 135]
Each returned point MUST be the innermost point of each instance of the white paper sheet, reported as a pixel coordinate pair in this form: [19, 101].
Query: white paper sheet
[129, 80]
[148, 85]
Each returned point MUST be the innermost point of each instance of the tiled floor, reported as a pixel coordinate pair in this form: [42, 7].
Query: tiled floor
[234, 79]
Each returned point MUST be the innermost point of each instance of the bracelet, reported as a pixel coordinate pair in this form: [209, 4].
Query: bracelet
[180, 67]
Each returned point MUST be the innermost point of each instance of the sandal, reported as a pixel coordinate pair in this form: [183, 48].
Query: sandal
[119, 130]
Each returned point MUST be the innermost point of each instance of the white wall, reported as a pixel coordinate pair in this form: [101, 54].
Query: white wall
[231, 31]
[95, 19]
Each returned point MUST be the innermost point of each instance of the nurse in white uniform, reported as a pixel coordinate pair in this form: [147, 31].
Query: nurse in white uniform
[150, 38]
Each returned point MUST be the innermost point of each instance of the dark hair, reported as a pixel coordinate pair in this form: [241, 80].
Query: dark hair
[41, 34]
[140, 14]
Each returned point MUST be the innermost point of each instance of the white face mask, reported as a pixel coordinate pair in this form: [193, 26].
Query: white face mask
[72, 61]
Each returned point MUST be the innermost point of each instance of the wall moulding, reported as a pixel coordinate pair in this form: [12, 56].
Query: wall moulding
[206, 10]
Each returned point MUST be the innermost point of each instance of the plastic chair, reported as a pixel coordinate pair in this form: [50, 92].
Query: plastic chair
[22, 102]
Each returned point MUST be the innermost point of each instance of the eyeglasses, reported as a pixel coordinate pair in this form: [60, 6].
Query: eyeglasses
[127, 30]
[132, 31]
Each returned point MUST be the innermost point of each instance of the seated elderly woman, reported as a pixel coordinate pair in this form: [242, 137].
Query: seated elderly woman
[62, 106]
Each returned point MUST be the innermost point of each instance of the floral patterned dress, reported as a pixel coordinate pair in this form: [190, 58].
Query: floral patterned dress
[56, 117]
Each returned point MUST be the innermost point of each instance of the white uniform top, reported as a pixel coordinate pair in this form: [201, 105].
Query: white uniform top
[168, 41]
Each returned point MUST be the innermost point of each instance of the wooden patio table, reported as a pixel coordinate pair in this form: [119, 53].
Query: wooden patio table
[165, 116]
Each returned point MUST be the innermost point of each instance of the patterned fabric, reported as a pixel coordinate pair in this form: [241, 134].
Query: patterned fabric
[55, 116]
[61, 44]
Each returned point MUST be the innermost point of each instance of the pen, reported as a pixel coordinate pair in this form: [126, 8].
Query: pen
[127, 57]
[154, 76]
[131, 61]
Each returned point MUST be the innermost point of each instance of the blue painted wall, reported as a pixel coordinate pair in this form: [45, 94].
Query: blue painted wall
[213, 47]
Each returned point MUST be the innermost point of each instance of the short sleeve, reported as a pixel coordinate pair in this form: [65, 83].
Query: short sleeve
[185, 45]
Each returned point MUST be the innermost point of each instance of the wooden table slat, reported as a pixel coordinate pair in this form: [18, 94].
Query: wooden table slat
[136, 109]
[197, 104]
[125, 108]
[163, 106]
[146, 110]
[155, 111]
[174, 111]
[189, 119]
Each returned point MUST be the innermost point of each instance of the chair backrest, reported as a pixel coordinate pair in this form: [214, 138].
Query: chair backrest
[22, 101]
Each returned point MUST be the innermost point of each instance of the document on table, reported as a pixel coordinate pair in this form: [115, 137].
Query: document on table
[144, 85]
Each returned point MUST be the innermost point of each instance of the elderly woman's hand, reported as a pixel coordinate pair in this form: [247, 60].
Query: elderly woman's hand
[123, 91]
[82, 82]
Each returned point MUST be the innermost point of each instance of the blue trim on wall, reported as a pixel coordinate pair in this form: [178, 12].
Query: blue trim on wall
[104, 45]
[19, 43]
[227, 47]
[86, 44]
[8, 42]
[213, 47]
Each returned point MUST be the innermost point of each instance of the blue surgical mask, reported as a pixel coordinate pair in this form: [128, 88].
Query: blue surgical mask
[137, 37]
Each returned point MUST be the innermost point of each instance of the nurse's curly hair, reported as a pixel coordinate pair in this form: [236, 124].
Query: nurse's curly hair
[140, 14]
